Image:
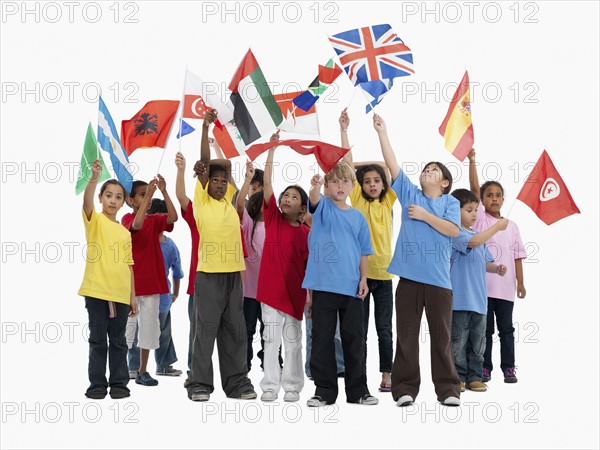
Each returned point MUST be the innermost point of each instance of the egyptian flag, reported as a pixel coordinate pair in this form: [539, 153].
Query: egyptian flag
[255, 112]
[150, 127]
[457, 127]
[546, 193]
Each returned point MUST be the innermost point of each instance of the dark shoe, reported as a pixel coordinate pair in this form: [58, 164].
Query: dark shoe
[199, 394]
[316, 402]
[487, 375]
[248, 395]
[510, 375]
[367, 399]
[97, 393]
[146, 380]
[119, 392]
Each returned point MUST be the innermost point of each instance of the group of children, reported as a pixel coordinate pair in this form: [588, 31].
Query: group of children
[255, 257]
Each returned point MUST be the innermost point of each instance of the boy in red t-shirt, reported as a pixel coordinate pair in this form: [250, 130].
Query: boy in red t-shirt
[149, 269]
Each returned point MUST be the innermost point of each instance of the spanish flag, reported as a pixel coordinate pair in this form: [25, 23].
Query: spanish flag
[457, 127]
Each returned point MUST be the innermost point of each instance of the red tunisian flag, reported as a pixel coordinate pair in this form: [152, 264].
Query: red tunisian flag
[150, 127]
[546, 193]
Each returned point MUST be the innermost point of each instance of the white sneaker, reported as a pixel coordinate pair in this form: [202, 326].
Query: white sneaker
[451, 401]
[291, 396]
[269, 396]
[405, 400]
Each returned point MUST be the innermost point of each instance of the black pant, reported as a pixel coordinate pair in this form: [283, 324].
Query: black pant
[101, 326]
[503, 309]
[325, 309]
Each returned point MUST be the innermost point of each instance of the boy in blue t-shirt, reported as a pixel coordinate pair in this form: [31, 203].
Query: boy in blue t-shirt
[339, 243]
[430, 218]
[470, 261]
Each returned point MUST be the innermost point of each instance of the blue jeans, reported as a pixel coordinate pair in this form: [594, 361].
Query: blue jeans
[339, 351]
[165, 354]
[101, 327]
[503, 309]
[383, 301]
[468, 344]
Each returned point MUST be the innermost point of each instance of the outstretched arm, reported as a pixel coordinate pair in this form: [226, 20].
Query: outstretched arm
[315, 190]
[484, 236]
[473, 178]
[90, 189]
[171, 211]
[241, 196]
[180, 193]
[344, 124]
[140, 216]
[386, 148]
[268, 175]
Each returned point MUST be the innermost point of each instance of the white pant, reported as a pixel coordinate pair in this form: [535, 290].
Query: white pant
[278, 324]
[147, 321]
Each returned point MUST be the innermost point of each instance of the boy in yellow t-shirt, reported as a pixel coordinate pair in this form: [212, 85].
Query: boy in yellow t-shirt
[218, 298]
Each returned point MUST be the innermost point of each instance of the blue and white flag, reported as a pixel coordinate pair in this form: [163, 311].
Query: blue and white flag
[108, 138]
[375, 91]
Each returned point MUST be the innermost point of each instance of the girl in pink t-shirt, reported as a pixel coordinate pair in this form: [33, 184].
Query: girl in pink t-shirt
[507, 248]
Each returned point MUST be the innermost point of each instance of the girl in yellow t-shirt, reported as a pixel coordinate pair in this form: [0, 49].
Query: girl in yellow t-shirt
[373, 197]
[107, 287]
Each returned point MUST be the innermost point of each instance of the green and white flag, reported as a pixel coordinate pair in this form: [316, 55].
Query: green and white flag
[90, 154]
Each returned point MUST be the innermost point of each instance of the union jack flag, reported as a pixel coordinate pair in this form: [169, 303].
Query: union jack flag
[373, 53]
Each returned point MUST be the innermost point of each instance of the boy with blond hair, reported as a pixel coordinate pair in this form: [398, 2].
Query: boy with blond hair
[339, 243]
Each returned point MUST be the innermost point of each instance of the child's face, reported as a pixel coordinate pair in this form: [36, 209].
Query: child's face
[468, 214]
[337, 189]
[291, 204]
[492, 200]
[372, 184]
[135, 200]
[112, 199]
[217, 185]
[254, 188]
[432, 177]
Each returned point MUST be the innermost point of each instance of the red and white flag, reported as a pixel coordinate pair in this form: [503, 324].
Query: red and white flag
[546, 193]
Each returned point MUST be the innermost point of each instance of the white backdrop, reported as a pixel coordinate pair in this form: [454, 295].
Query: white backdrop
[534, 74]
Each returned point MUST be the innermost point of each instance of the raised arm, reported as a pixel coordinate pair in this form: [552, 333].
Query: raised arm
[484, 236]
[171, 211]
[268, 175]
[381, 164]
[315, 190]
[473, 178]
[211, 116]
[90, 189]
[140, 216]
[180, 193]
[344, 124]
[241, 196]
[386, 148]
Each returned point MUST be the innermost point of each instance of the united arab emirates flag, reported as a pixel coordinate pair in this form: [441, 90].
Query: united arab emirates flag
[256, 112]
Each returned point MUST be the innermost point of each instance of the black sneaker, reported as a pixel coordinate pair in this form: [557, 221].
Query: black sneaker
[97, 393]
[367, 399]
